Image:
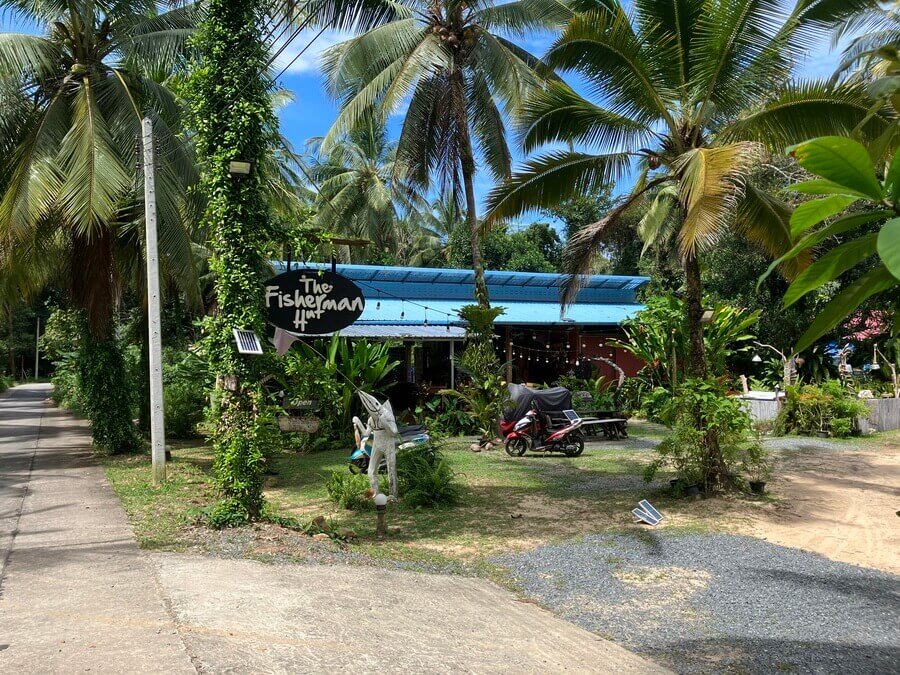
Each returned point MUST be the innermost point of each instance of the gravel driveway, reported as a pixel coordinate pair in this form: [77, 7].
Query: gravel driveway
[713, 603]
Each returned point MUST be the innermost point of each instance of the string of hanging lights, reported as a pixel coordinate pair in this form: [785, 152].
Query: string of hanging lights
[403, 301]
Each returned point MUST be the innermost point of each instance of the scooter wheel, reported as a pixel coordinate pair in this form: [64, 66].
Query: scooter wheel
[516, 447]
[578, 443]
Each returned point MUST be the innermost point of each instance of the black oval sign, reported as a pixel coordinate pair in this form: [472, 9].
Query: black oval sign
[308, 301]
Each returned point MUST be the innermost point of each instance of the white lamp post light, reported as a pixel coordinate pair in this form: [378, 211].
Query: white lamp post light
[381, 501]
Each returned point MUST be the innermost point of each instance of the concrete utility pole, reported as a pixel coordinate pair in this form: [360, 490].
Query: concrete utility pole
[37, 347]
[157, 415]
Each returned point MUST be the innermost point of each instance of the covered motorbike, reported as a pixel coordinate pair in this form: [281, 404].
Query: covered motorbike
[527, 422]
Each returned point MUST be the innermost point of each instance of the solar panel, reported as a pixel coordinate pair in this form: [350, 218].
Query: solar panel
[571, 415]
[649, 508]
[644, 517]
[247, 341]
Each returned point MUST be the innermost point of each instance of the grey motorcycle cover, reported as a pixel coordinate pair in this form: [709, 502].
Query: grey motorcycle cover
[556, 399]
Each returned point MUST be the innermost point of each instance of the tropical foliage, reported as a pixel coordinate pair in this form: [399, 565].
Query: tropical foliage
[73, 99]
[452, 63]
[692, 93]
[658, 336]
[845, 175]
[361, 365]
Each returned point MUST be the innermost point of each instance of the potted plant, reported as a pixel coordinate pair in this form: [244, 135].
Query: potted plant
[757, 466]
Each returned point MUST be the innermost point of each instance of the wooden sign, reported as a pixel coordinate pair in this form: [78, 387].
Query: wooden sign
[310, 302]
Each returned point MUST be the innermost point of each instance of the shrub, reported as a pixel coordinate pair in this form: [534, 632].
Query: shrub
[841, 427]
[347, 490]
[184, 404]
[186, 381]
[4, 384]
[444, 415]
[711, 436]
[827, 407]
[425, 477]
[654, 402]
[226, 513]
[485, 398]
[66, 389]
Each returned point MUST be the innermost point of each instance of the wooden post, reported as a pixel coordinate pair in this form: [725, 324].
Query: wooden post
[453, 364]
[508, 355]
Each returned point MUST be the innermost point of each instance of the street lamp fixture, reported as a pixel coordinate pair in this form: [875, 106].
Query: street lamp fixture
[756, 358]
[707, 316]
[239, 169]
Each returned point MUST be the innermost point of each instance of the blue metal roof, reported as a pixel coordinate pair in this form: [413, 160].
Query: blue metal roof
[394, 295]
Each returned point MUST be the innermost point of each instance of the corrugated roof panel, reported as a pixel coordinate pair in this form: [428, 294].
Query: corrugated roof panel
[395, 332]
[442, 312]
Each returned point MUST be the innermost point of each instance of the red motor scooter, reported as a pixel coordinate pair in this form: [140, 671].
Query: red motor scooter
[534, 432]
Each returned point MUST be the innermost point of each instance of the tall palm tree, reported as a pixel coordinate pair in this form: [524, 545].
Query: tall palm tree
[71, 124]
[690, 93]
[436, 224]
[453, 62]
[360, 187]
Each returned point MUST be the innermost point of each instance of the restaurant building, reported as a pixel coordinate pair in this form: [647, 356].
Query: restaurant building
[418, 308]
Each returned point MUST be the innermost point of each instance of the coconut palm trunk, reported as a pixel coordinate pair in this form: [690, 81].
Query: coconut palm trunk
[467, 166]
[694, 301]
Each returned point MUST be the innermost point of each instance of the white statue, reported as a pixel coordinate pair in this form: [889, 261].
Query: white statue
[383, 427]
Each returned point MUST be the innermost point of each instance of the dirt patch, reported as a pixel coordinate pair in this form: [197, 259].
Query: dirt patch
[840, 504]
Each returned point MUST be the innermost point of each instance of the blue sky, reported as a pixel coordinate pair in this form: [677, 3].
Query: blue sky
[312, 112]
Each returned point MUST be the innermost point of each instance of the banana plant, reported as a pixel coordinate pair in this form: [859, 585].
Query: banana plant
[845, 176]
[362, 364]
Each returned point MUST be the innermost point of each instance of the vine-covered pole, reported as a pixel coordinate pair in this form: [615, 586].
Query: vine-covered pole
[233, 119]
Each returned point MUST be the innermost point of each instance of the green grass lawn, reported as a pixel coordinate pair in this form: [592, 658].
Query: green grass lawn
[508, 503]
[160, 515]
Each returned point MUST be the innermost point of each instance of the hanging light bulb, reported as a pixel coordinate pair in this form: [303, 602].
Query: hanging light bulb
[577, 362]
[583, 345]
[425, 323]
[448, 327]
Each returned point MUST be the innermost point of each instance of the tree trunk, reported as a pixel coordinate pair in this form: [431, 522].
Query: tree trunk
[694, 300]
[467, 161]
[101, 367]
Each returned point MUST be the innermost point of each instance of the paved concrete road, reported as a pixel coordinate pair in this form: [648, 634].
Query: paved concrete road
[240, 616]
[76, 594]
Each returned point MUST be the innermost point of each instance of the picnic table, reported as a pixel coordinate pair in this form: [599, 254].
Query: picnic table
[611, 425]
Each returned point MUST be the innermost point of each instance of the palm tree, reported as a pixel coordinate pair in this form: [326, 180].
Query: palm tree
[360, 186]
[453, 64]
[435, 227]
[70, 122]
[692, 91]
[875, 48]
